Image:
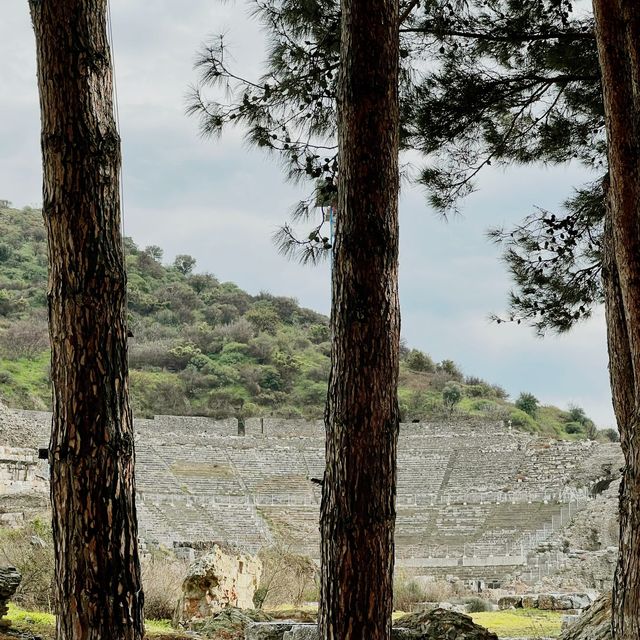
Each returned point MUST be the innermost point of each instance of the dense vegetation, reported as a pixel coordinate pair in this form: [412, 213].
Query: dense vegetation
[206, 347]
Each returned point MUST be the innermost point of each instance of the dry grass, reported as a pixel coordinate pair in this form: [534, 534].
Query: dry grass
[162, 577]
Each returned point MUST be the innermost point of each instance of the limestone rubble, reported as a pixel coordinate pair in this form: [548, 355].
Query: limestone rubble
[219, 579]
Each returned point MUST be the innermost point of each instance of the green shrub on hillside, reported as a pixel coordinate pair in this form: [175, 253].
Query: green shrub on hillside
[528, 403]
[418, 361]
[451, 395]
[522, 420]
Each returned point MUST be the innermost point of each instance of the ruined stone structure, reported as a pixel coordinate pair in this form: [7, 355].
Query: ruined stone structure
[475, 499]
[218, 579]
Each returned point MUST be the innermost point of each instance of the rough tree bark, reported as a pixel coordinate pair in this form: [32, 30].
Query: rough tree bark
[618, 36]
[358, 500]
[98, 591]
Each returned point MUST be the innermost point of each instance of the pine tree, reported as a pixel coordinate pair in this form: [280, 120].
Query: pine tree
[357, 518]
[97, 583]
[618, 35]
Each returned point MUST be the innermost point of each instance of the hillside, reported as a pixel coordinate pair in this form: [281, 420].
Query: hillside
[204, 347]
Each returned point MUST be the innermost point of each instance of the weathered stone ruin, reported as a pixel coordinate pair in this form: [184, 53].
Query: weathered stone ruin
[547, 601]
[217, 580]
[431, 625]
[9, 582]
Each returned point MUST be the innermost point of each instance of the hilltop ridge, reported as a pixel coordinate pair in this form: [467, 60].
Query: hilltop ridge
[205, 347]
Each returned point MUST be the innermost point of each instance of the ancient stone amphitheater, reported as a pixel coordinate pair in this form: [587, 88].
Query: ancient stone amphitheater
[475, 499]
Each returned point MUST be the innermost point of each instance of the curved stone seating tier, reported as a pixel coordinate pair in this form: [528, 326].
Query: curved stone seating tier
[272, 470]
[193, 470]
[167, 519]
[296, 527]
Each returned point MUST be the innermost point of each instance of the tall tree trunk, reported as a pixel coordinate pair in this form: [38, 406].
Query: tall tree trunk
[358, 501]
[618, 36]
[98, 591]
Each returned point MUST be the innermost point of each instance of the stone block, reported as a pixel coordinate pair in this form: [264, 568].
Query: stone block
[510, 602]
[302, 632]
[267, 630]
[554, 602]
[530, 601]
[581, 600]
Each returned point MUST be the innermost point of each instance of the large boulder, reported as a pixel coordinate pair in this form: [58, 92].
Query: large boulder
[444, 625]
[9, 581]
[221, 578]
[593, 624]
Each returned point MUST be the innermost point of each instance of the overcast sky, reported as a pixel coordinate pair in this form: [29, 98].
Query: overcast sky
[221, 201]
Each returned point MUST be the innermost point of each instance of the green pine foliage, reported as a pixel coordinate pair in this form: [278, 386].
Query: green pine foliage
[204, 347]
[482, 83]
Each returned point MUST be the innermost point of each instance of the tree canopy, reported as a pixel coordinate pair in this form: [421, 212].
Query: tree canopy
[483, 82]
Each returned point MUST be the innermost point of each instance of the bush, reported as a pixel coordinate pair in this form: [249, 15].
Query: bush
[407, 592]
[240, 331]
[261, 347]
[5, 252]
[450, 367]
[203, 336]
[263, 317]
[499, 392]
[528, 403]
[521, 419]
[577, 414]
[156, 354]
[440, 380]
[184, 264]
[30, 550]
[162, 578]
[287, 578]
[313, 393]
[319, 333]
[441, 591]
[234, 353]
[181, 355]
[574, 428]
[319, 373]
[610, 435]
[476, 605]
[418, 361]
[451, 395]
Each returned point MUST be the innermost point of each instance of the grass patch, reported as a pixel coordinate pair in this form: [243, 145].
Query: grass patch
[43, 624]
[36, 622]
[520, 623]
[27, 383]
